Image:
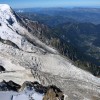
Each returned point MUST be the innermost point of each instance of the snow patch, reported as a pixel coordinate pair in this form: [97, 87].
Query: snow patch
[4, 7]
[20, 97]
[24, 95]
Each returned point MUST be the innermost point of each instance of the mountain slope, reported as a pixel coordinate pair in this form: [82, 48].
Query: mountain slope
[11, 22]
[75, 40]
[85, 38]
[26, 58]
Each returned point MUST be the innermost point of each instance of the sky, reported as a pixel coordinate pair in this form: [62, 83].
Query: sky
[51, 3]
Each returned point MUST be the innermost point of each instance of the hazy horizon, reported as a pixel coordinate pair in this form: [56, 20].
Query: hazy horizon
[57, 7]
[52, 3]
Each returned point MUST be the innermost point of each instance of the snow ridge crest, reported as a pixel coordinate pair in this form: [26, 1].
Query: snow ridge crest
[4, 7]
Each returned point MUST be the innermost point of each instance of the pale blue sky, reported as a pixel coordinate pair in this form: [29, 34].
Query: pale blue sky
[51, 3]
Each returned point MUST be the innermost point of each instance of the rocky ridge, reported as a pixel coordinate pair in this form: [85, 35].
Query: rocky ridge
[48, 92]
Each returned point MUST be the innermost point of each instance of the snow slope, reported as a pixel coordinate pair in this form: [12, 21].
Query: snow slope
[39, 62]
[24, 95]
[12, 30]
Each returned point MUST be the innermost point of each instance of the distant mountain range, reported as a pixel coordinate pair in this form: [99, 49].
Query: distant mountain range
[91, 15]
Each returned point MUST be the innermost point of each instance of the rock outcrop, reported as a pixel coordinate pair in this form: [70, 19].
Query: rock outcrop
[2, 68]
[49, 92]
[9, 86]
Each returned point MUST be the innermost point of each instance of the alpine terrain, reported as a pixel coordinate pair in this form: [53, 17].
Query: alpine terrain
[32, 70]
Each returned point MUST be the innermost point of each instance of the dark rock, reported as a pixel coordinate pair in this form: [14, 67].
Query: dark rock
[2, 68]
[50, 92]
[39, 88]
[10, 21]
[11, 86]
[56, 89]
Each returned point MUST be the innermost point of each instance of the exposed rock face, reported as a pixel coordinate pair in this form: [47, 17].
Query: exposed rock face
[50, 92]
[39, 88]
[53, 93]
[2, 68]
[9, 86]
